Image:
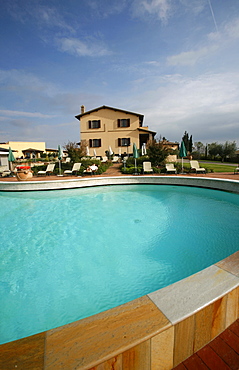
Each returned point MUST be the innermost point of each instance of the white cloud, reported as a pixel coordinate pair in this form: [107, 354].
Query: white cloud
[53, 133]
[232, 28]
[213, 42]
[196, 6]
[165, 9]
[50, 17]
[14, 113]
[102, 9]
[43, 16]
[206, 106]
[160, 9]
[188, 57]
[21, 81]
[41, 99]
[39, 110]
[153, 63]
[91, 48]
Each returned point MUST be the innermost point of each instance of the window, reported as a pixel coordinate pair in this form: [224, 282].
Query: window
[124, 142]
[95, 143]
[94, 124]
[125, 122]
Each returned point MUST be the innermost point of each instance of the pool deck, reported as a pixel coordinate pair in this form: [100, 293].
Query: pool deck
[113, 176]
[192, 324]
[114, 171]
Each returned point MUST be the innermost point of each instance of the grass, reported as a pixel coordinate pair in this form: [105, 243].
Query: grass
[214, 167]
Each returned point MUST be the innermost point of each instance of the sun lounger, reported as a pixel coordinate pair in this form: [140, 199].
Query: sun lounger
[115, 159]
[147, 167]
[195, 166]
[76, 167]
[49, 169]
[170, 168]
[4, 171]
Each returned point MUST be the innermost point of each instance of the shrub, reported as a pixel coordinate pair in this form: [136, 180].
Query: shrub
[157, 169]
[102, 167]
[131, 170]
[157, 153]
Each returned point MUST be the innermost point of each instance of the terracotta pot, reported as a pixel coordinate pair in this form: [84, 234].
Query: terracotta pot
[24, 175]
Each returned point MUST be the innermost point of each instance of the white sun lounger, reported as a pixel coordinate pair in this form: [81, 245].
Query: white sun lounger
[76, 167]
[49, 169]
[170, 168]
[147, 167]
[195, 166]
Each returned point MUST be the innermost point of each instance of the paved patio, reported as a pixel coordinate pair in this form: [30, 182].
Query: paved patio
[114, 170]
[220, 354]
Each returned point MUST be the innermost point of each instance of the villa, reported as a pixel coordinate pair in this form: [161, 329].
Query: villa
[106, 127]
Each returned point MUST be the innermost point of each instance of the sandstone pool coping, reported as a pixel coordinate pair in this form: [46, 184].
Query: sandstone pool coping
[158, 330]
[79, 182]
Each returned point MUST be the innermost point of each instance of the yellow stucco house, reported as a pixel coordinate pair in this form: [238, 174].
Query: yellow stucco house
[106, 127]
[25, 149]
[173, 147]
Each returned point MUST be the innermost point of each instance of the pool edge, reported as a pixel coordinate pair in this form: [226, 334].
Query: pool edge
[136, 331]
[212, 183]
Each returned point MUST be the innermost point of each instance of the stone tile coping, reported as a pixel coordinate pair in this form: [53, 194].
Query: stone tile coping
[180, 299]
[99, 338]
[212, 183]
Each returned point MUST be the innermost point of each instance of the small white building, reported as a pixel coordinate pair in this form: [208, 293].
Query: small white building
[4, 158]
[5, 166]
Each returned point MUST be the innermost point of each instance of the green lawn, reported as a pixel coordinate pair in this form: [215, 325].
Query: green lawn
[214, 167]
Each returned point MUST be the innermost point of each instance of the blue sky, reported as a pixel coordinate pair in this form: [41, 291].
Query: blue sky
[174, 61]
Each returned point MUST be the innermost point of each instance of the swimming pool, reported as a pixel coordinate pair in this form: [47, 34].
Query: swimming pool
[86, 250]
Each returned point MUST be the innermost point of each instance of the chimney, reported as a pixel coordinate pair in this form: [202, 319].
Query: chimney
[82, 108]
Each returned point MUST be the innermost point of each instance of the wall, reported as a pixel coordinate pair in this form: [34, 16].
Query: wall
[171, 158]
[4, 160]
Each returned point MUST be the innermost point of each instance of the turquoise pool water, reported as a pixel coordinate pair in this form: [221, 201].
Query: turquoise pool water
[69, 254]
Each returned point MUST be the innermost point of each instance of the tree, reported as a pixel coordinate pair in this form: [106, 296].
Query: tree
[214, 150]
[206, 151]
[188, 142]
[156, 152]
[199, 150]
[83, 146]
[74, 151]
[222, 151]
[200, 147]
[228, 150]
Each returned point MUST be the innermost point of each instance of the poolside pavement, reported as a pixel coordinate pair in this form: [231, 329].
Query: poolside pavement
[220, 354]
[114, 170]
